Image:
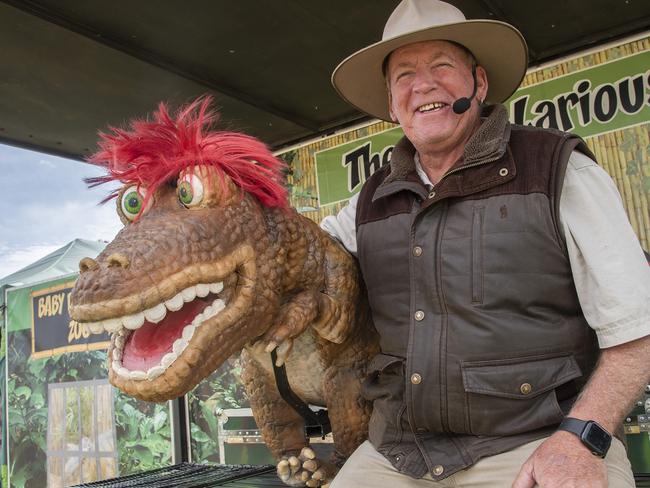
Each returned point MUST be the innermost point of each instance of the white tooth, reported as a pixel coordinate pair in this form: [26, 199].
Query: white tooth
[119, 342]
[138, 375]
[117, 354]
[198, 320]
[124, 373]
[111, 325]
[95, 327]
[202, 290]
[154, 372]
[188, 332]
[179, 346]
[216, 287]
[189, 294]
[134, 321]
[175, 303]
[218, 305]
[116, 366]
[156, 314]
[208, 312]
[168, 359]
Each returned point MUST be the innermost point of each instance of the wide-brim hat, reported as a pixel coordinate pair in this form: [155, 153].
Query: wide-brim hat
[497, 46]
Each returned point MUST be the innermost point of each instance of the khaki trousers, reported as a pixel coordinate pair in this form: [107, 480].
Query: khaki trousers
[367, 468]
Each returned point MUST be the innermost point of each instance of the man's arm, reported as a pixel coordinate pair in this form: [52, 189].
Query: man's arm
[562, 460]
[612, 280]
[343, 225]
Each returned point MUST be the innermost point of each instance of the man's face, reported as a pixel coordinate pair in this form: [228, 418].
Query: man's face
[425, 79]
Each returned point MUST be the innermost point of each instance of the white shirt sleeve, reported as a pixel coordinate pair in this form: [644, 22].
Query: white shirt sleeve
[343, 225]
[610, 271]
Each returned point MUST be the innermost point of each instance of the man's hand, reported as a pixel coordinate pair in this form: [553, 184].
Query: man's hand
[562, 461]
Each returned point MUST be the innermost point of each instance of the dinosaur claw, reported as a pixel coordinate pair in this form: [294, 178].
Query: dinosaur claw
[307, 453]
[283, 351]
[305, 469]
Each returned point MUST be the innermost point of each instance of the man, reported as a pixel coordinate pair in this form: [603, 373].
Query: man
[499, 265]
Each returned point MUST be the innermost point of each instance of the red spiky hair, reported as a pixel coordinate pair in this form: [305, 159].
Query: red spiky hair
[155, 151]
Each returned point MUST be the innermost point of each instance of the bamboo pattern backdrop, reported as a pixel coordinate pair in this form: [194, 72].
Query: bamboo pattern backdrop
[622, 153]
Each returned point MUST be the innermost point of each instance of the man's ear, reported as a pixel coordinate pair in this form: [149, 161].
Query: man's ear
[481, 83]
[390, 108]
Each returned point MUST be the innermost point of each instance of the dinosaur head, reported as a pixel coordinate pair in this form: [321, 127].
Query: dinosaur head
[190, 279]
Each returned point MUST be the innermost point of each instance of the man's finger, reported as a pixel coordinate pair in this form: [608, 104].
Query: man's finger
[525, 478]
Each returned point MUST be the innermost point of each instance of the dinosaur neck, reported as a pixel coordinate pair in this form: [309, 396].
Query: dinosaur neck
[296, 240]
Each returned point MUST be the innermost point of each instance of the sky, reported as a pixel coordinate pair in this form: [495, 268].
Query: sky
[44, 204]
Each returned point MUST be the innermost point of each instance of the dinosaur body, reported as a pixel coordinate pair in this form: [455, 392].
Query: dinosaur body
[211, 262]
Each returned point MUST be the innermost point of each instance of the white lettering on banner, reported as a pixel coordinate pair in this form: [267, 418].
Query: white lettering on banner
[601, 103]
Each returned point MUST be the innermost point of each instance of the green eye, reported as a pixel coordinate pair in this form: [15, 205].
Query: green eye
[131, 202]
[190, 190]
[185, 193]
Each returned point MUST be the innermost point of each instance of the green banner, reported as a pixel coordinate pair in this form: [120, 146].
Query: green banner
[341, 170]
[607, 97]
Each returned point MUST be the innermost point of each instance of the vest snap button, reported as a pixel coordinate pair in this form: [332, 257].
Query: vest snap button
[438, 470]
[526, 388]
[417, 251]
[503, 171]
[416, 379]
[432, 194]
[419, 315]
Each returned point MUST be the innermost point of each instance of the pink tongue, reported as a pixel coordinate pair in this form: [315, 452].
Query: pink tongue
[146, 346]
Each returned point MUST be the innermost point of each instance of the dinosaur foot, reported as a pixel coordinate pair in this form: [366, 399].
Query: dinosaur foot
[306, 470]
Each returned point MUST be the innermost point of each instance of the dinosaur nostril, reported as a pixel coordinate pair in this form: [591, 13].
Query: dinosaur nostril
[117, 260]
[87, 264]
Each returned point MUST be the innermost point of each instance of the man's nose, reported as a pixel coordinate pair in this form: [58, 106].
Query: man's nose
[424, 81]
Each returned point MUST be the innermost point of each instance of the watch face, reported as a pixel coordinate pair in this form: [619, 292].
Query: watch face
[596, 438]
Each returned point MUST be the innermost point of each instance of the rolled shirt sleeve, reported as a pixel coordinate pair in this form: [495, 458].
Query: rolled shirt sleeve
[342, 226]
[610, 271]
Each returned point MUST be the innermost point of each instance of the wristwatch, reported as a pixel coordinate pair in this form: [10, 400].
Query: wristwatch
[590, 433]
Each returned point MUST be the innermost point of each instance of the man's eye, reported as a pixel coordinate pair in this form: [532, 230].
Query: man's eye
[403, 75]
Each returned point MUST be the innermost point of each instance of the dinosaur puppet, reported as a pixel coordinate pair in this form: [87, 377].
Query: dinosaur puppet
[212, 261]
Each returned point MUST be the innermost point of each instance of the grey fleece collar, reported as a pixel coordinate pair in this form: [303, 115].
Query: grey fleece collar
[488, 143]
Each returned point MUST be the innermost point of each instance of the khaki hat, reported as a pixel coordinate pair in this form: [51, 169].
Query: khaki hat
[497, 46]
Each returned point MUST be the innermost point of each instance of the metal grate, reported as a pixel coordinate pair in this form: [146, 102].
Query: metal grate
[189, 475]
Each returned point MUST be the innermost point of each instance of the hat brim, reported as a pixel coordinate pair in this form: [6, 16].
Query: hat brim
[498, 47]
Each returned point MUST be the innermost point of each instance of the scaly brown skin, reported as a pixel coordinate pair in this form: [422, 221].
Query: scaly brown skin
[286, 283]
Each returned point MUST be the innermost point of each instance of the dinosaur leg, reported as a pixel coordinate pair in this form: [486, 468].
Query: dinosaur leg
[349, 413]
[283, 429]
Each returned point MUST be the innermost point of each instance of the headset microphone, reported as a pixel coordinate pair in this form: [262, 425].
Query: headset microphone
[462, 105]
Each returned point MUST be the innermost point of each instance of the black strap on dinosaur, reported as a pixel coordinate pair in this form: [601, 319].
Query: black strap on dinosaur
[317, 424]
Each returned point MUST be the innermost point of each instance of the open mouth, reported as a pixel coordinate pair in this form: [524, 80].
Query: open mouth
[431, 107]
[146, 343]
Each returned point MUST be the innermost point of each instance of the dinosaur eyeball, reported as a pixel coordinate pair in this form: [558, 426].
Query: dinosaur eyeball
[131, 202]
[190, 190]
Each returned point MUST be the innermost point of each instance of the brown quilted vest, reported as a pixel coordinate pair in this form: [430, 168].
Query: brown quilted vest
[484, 344]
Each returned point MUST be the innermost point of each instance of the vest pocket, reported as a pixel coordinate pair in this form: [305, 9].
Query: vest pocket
[477, 254]
[511, 396]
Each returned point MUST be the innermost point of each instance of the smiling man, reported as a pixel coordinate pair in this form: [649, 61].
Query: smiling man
[510, 293]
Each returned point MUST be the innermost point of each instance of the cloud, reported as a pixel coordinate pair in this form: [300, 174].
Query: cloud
[46, 162]
[12, 260]
[39, 228]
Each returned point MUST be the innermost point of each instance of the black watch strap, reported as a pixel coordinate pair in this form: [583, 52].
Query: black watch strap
[590, 433]
[576, 426]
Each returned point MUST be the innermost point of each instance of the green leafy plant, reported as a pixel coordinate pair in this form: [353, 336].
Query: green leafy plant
[222, 389]
[143, 434]
[27, 402]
